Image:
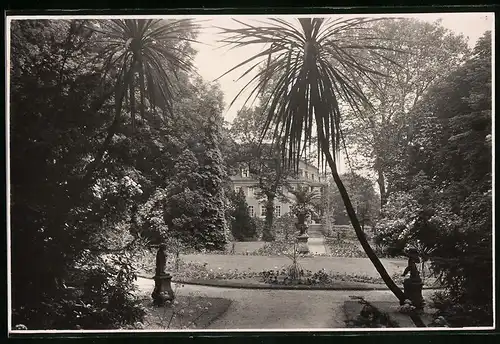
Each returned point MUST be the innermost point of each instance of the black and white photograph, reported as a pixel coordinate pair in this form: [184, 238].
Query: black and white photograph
[274, 173]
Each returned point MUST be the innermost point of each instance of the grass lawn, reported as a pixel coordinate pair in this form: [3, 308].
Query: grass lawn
[186, 312]
[243, 247]
[225, 263]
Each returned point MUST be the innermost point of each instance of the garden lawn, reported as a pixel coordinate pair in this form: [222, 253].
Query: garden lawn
[243, 247]
[339, 265]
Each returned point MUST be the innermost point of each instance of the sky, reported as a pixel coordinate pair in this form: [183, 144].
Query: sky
[213, 59]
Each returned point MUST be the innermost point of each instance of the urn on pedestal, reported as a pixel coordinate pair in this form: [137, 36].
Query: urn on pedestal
[163, 281]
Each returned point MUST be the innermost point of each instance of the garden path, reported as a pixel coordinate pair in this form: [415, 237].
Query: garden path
[316, 242]
[278, 309]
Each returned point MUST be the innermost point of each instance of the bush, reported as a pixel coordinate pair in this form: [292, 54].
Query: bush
[259, 227]
[284, 227]
[344, 248]
[464, 314]
[370, 317]
[100, 295]
[243, 226]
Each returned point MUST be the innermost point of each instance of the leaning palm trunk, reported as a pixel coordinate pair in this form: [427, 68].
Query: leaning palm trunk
[361, 237]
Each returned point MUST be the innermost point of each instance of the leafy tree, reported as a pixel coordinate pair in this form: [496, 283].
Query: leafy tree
[420, 55]
[214, 176]
[192, 205]
[306, 97]
[362, 194]
[132, 55]
[98, 184]
[243, 225]
[55, 134]
[446, 193]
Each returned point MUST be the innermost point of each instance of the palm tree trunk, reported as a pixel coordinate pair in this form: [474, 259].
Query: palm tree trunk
[361, 237]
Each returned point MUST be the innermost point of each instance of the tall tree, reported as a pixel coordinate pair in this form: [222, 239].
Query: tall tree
[362, 194]
[80, 205]
[306, 96]
[421, 54]
[243, 225]
[137, 58]
[445, 201]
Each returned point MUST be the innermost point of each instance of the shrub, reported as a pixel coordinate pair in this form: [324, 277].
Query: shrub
[243, 226]
[100, 295]
[370, 317]
[284, 227]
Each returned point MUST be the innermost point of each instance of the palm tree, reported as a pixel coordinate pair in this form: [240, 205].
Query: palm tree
[140, 58]
[319, 63]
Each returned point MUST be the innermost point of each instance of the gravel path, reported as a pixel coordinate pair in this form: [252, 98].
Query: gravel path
[278, 309]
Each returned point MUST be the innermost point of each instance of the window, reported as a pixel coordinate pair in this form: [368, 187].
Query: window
[251, 210]
[312, 176]
[277, 210]
[237, 189]
[262, 211]
[307, 175]
[301, 173]
[244, 173]
[250, 191]
[312, 188]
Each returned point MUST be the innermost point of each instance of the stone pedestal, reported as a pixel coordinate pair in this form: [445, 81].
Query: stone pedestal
[413, 292]
[302, 246]
[163, 289]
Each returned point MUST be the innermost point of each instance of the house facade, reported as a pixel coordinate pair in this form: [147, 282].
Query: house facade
[308, 176]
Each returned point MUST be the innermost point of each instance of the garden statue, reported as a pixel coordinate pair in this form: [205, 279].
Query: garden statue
[302, 238]
[413, 284]
[303, 209]
[163, 281]
[161, 260]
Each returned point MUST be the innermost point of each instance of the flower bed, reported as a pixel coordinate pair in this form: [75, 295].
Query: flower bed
[280, 275]
[344, 248]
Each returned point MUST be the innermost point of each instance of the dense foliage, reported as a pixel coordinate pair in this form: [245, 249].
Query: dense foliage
[423, 53]
[89, 177]
[443, 203]
[366, 201]
[243, 225]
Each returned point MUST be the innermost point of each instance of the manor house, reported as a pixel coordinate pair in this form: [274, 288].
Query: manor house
[308, 176]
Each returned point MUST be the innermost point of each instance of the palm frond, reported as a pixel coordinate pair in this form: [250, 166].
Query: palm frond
[320, 68]
[152, 49]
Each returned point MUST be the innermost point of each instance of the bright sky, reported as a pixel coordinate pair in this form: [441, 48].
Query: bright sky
[213, 60]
